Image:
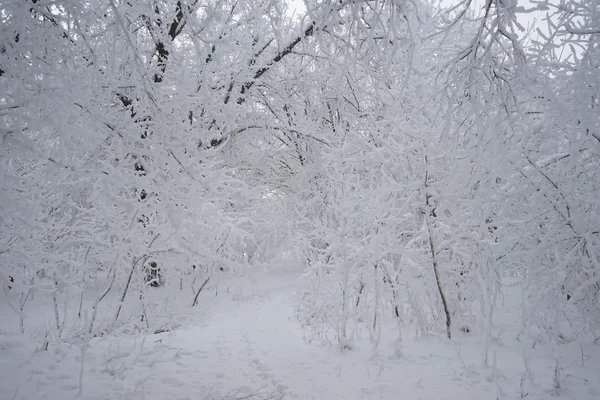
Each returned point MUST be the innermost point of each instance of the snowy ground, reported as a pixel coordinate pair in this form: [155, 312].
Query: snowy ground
[245, 343]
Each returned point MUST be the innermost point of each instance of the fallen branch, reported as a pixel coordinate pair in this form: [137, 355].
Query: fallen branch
[200, 290]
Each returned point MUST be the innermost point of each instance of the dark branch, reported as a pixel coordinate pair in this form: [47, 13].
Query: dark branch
[287, 50]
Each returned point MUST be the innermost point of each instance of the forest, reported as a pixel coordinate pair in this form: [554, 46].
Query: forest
[310, 199]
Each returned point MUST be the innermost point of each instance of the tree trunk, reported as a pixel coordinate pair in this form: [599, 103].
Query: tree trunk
[430, 213]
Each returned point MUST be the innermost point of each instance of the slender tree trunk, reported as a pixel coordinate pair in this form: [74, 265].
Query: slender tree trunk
[343, 323]
[134, 263]
[83, 283]
[21, 319]
[22, 302]
[431, 213]
[110, 280]
[198, 292]
[55, 303]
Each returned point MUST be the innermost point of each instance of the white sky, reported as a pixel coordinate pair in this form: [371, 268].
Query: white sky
[532, 19]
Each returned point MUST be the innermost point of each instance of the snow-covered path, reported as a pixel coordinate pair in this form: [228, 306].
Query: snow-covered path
[245, 342]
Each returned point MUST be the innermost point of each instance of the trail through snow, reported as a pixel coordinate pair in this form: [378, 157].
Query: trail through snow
[246, 342]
